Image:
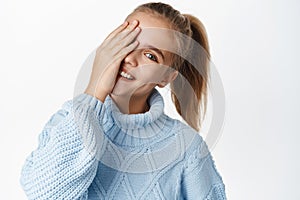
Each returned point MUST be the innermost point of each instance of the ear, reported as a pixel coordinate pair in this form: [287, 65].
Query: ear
[168, 78]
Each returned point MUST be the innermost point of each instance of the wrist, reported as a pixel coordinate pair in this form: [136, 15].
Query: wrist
[100, 94]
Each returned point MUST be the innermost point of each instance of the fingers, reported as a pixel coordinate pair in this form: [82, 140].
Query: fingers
[120, 44]
[125, 51]
[117, 30]
[128, 29]
[124, 33]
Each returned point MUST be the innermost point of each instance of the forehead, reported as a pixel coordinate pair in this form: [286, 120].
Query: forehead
[148, 20]
[155, 31]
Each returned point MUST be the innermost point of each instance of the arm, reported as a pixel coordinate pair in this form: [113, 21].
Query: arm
[201, 179]
[64, 164]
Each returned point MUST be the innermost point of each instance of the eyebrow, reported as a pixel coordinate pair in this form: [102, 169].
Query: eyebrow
[156, 50]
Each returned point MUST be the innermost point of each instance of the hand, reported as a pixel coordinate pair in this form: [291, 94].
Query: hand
[109, 56]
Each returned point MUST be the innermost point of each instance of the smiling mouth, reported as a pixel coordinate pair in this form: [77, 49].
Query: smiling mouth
[126, 75]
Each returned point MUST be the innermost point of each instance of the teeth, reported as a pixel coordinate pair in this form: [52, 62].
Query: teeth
[128, 76]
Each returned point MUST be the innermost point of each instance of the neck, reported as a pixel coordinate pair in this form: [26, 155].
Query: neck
[130, 104]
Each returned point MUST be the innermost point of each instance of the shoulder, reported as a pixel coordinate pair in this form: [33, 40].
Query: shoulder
[201, 179]
[191, 142]
[188, 133]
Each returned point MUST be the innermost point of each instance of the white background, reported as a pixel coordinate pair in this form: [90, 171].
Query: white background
[254, 45]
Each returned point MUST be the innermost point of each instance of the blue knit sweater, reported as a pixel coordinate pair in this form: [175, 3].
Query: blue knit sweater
[90, 150]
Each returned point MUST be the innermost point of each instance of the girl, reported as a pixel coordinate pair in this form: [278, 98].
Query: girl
[114, 141]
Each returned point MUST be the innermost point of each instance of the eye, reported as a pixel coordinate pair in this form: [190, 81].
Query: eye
[151, 57]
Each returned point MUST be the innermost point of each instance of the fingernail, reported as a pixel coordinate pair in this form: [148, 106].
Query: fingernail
[134, 22]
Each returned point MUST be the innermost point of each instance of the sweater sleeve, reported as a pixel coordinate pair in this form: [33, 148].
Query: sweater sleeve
[201, 180]
[64, 164]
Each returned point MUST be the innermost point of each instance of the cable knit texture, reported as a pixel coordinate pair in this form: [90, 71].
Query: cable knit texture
[90, 150]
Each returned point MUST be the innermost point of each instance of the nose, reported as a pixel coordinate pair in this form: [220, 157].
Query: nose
[131, 59]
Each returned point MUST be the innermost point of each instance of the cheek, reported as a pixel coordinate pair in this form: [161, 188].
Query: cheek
[151, 73]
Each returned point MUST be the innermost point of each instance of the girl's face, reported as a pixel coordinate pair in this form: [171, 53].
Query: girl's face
[148, 65]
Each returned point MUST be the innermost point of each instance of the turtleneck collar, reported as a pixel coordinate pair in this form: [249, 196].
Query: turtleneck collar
[137, 129]
[134, 121]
